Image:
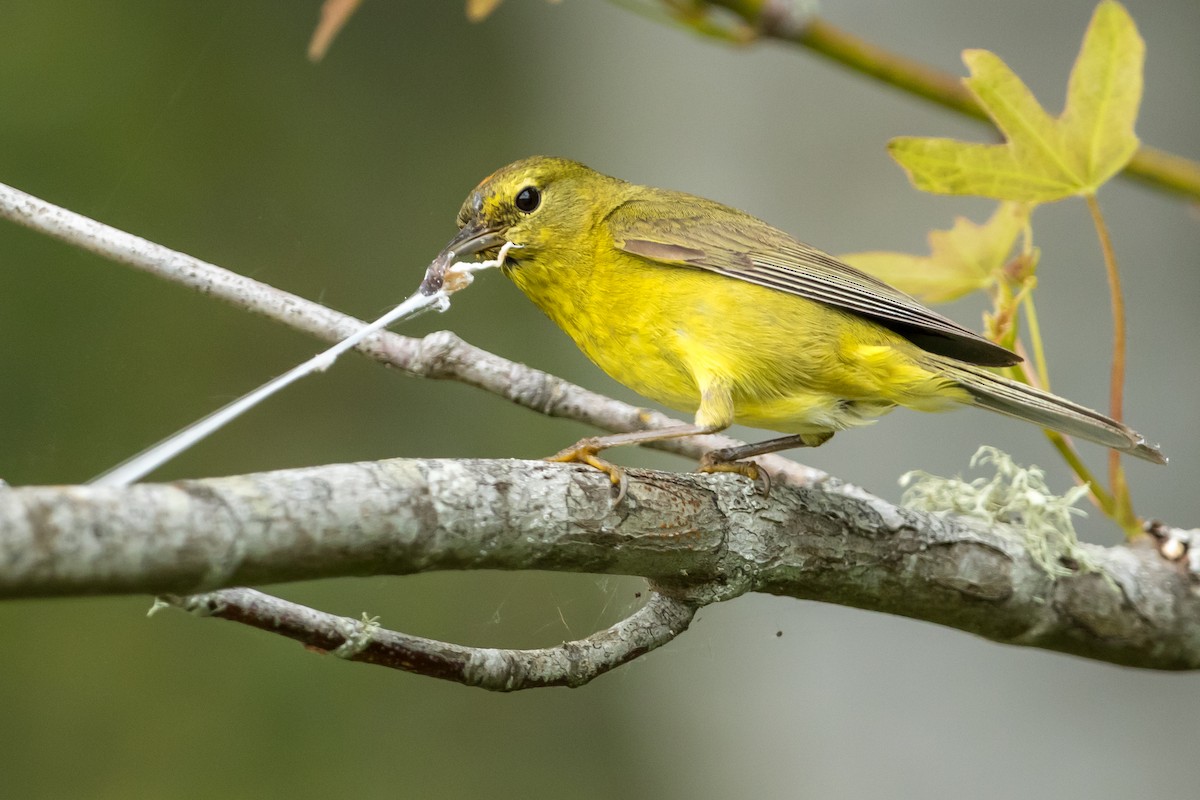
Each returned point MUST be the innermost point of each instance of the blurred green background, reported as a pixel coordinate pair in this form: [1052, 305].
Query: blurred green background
[203, 127]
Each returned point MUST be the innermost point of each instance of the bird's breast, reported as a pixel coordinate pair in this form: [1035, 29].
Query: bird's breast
[790, 364]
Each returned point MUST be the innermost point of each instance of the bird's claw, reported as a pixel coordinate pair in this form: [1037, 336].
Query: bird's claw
[713, 462]
[584, 452]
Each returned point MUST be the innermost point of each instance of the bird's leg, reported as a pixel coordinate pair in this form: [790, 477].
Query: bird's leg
[731, 459]
[585, 450]
[715, 414]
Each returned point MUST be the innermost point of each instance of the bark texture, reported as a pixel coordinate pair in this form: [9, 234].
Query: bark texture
[698, 539]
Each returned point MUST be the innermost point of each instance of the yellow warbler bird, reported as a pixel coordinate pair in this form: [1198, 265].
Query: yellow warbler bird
[707, 309]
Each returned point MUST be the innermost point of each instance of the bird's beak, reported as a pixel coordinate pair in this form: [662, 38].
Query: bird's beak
[474, 238]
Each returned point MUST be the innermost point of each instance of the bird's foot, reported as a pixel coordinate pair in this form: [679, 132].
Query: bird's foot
[717, 461]
[585, 452]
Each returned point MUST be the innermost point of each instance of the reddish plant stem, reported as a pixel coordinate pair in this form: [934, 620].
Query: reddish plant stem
[1116, 391]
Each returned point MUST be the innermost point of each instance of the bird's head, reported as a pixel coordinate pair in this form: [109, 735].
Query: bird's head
[536, 203]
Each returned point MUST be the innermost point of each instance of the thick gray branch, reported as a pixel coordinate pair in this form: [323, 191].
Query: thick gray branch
[709, 536]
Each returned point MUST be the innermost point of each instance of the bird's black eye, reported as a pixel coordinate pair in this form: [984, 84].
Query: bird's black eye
[528, 199]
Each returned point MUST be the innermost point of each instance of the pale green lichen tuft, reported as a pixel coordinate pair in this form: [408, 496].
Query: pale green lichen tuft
[359, 638]
[1015, 495]
[158, 605]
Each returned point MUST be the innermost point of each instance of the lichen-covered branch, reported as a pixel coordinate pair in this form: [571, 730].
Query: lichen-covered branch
[660, 620]
[704, 538]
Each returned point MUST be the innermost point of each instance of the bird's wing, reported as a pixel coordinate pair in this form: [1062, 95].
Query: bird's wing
[719, 239]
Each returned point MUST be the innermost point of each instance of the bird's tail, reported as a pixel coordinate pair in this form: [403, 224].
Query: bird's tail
[995, 393]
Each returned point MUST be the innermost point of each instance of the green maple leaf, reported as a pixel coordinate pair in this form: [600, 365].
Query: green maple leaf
[964, 259]
[1044, 158]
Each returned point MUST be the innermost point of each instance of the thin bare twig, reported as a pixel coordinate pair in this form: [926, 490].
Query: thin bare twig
[661, 619]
